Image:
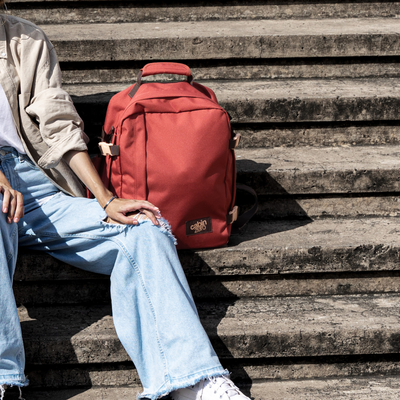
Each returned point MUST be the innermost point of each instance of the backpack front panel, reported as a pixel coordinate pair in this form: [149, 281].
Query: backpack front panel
[175, 154]
[187, 155]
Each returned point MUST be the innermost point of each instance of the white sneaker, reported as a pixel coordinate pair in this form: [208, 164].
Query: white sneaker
[220, 388]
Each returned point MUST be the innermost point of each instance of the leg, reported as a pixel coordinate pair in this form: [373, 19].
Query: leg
[12, 355]
[154, 313]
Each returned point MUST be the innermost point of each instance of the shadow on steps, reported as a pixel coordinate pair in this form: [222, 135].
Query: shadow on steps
[255, 175]
[212, 311]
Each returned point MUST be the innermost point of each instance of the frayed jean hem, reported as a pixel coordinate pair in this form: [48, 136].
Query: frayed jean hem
[14, 380]
[186, 381]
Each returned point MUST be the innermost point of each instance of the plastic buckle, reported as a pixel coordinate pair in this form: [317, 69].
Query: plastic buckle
[108, 149]
[233, 215]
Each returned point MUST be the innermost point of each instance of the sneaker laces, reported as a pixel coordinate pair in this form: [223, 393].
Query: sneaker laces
[226, 385]
[20, 394]
[3, 392]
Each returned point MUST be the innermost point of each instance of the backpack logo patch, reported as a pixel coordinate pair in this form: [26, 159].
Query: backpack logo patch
[198, 226]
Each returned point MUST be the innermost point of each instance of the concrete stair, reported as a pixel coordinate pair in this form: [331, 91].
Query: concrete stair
[124, 11]
[305, 303]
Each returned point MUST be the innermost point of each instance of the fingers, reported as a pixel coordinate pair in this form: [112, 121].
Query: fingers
[13, 205]
[19, 211]
[6, 200]
[145, 206]
[149, 210]
[151, 216]
[131, 212]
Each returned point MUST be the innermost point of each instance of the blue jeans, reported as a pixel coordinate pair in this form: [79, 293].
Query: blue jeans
[153, 310]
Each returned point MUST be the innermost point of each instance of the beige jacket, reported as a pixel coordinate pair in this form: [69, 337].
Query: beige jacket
[44, 114]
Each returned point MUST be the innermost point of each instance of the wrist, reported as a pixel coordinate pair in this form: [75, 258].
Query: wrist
[109, 201]
[103, 197]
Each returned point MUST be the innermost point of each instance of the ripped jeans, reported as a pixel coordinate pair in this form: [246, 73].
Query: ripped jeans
[153, 310]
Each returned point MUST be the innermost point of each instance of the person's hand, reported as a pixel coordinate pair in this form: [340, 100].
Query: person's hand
[123, 211]
[13, 203]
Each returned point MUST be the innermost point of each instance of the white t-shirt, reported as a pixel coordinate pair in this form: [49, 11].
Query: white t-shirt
[8, 132]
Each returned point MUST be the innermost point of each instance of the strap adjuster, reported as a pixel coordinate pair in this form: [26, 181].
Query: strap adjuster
[233, 215]
[233, 143]
[108, 149]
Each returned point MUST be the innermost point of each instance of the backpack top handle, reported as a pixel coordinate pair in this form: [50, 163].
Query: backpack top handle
[166, 68]
[161, 68]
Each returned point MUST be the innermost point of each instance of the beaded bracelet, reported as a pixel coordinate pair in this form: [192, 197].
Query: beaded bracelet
[109, 201]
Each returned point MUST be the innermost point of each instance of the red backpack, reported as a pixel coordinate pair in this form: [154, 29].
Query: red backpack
[172, 144]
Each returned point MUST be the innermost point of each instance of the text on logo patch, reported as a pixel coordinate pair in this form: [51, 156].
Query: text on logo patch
[197, 226]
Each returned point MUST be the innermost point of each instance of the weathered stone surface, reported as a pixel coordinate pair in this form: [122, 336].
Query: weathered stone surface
[280, 101]
[38, 266]
[78, 376]
[293, 135]
[226, 39]
[63, 292]
[303, 246]
[107, 12]
[305, 326]
[280, 327]
[330, 170]
[309, 100]
[385, 67]
[325, 285]
[53, 293]
[123, 393]
[269, 248]
[338, 389]
[282, 369]
[242, 371]
[327, 207]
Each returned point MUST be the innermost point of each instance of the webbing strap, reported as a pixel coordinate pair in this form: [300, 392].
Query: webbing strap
[242, 220]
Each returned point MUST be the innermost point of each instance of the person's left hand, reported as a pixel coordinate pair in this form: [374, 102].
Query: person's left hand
[123, 211]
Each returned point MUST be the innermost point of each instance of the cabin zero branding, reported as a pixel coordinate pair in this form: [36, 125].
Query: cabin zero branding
[197, 226]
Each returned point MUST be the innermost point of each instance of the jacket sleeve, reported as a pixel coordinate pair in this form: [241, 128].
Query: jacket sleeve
[50, 106]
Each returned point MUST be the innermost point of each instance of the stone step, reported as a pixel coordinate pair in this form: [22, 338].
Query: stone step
[319, 171]
[348, 111]
[121, 393]
[329, 206]
[203, 40]
[278, 258]
[353, 133]
[277, 247]
[376, 388]
[41, 12]
[242, 371]
[217, 289]
[246, 329]
[338, 389]
[283, 101]
[241, 69]
[330, 182]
